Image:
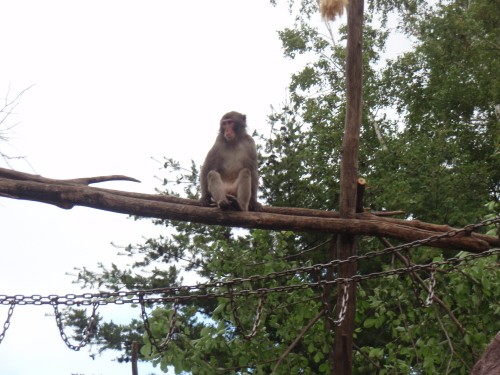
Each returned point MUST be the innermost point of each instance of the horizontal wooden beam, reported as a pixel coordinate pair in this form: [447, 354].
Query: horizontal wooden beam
[69, 193]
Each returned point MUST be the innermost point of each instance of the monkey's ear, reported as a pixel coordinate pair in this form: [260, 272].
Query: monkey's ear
[244, 117]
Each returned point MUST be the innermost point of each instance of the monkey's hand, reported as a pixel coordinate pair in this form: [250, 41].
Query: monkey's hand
[205, 201]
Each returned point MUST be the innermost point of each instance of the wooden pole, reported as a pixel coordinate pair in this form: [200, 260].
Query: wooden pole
[347, 243]
[134, 355]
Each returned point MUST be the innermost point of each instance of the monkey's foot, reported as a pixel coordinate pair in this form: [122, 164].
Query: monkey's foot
[234, 204]
[225, 204]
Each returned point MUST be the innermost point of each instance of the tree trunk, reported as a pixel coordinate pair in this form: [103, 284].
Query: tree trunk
[489, 363]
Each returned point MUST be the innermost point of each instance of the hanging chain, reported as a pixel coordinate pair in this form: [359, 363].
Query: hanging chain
[6, 325]
[326, 301]
[258, 316]
[182, 293]
[206, 291]
[327, 305]
[432, 286]
[343, 304]
[162, 346]
[146, 322]
[172, 294]
[89, 330]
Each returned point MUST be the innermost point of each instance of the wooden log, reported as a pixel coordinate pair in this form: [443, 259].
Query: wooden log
[417, 224]
[72, 195]
[9, 174]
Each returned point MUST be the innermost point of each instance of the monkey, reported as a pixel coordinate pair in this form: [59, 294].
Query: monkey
[229, 174]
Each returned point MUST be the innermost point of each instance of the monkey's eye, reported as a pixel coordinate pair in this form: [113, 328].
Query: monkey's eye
[227, 122]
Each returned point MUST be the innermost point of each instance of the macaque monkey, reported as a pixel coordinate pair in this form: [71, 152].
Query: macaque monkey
[229, 175]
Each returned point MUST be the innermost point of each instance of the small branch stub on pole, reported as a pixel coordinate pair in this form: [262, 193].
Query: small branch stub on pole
[360, 192]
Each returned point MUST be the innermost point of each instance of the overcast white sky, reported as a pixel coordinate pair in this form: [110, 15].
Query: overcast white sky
[115, 84]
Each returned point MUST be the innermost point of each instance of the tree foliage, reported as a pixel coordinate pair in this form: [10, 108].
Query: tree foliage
[429, 145]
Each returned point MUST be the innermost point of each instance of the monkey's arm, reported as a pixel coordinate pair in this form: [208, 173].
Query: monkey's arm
[208, 165]
[205, 198]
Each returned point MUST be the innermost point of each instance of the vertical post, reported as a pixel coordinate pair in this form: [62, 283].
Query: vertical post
[347, 244]
[134, 354]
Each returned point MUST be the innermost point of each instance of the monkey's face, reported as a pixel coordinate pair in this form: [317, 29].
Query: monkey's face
[232, 125]
[228, 129]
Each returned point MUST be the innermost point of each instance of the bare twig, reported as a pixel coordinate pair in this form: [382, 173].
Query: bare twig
[6, 111]
[450, 343]
[297, 339]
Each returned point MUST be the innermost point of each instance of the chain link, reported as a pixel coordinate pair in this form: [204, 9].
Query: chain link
[327, 305]
[89, 330]
[343, 304]
[162, 346]
[258, 316]
[6, 325]
[432, 287]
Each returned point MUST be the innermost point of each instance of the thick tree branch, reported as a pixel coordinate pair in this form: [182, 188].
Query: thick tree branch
[69, 193]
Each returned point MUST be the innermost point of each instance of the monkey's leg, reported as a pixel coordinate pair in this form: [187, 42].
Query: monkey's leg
[216, 189]
[244, 192]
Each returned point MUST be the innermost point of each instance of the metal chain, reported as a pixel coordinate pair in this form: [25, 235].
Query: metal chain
[89, 330]
[72, 299]
[432, 286]
[182, 292]
[206, 291]
[258, 317]
[6, 325]
[343, 305]
[146, 322]
[413, 282]
[171, 294]
[162, 346]
[327, 305]
[325, 301]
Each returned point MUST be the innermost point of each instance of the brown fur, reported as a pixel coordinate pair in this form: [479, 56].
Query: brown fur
[229, 174]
